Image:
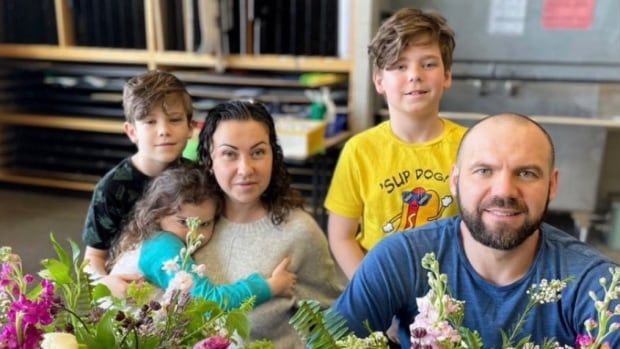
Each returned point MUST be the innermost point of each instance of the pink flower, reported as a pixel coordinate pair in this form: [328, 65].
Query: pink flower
[215, 342]
[583, 340]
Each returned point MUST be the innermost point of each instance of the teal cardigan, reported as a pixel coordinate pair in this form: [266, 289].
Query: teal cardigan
[164, 246]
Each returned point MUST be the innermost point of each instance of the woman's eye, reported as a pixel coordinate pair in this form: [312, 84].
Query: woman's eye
[228, 154]
[258, 153]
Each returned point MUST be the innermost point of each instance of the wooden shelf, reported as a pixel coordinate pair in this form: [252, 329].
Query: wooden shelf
[74, 54]
[71, 184]
[258, 62]
[172, 58]
[62, 122]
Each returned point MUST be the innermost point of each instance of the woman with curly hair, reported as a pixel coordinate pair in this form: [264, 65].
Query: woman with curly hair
[263, 220]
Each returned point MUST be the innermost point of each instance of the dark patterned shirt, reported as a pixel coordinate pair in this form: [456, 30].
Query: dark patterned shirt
[113, 200]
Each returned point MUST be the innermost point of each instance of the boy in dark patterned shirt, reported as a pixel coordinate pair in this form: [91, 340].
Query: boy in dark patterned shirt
[158, 112]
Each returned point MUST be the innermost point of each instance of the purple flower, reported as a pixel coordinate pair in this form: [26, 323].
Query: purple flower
[27, 318]
[583, 340]
[6, 275]
[215, 342]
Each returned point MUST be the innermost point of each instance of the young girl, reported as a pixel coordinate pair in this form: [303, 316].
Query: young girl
[157, 233]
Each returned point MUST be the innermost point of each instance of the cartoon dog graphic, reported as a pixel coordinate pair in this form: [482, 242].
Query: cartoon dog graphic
[419, 206]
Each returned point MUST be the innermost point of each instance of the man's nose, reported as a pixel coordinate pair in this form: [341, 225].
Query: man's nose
[504, 185]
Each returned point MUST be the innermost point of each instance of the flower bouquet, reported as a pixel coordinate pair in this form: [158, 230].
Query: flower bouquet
[438, 324]
[65, 310]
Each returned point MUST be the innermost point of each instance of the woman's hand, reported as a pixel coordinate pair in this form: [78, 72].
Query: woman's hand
[282, 281]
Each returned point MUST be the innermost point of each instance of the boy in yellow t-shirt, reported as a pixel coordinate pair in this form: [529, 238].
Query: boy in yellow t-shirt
[395, 176]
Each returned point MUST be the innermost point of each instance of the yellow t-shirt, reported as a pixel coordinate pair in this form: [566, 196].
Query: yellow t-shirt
[391, 185]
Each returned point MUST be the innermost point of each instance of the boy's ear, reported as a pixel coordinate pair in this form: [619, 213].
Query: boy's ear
[377, 79]
[448, 79]
[130, 131]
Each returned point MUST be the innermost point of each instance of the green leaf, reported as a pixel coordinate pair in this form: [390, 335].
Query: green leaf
[83, 336]
[150, 342]
[321, 329]
[522, 342]
[34, 293]
[60, 252]
[100, 291]
[75, 250]
[260, 344]
[56, 271]
[238, 320]
[471, 338]
[105, 330]
[141, 293]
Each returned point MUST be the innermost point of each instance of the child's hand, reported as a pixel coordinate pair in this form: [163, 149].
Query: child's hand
[118, 283]
[282, 281]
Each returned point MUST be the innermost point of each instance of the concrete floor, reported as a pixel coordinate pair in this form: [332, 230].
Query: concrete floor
[28, 216]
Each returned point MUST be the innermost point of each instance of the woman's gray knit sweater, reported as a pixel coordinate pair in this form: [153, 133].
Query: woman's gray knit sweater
[237, 250]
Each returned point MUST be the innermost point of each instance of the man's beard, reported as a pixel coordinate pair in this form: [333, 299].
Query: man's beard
[502, 237]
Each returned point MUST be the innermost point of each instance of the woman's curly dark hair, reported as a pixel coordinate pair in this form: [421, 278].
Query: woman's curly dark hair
[279, 198]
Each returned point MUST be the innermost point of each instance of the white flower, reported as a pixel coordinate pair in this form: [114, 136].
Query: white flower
[182, 281]
[59, 340]
[200, 269]
[170, 266]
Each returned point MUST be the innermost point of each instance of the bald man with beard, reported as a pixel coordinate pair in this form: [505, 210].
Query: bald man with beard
[504, 179]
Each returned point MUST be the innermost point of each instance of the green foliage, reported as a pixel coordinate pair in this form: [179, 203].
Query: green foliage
[320, 329]
[101, 321]
[471, 338]
[261, 344]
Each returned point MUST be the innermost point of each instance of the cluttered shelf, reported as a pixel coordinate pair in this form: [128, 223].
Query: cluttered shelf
[173, 58]
[47, 181]
[68, 160]
[85, 123]
[74, 53]
[257, 62]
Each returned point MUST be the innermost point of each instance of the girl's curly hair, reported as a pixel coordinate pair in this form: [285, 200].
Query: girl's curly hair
[165, 195]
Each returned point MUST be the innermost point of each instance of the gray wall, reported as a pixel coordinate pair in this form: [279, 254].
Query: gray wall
[539, 71]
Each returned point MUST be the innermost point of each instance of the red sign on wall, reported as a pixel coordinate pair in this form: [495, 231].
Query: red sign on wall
[568, 14]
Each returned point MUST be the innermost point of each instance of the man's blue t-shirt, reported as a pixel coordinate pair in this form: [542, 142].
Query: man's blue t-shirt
[391, 277]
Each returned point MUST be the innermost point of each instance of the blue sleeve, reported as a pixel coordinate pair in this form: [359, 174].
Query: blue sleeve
[380, 288]
[165, 246]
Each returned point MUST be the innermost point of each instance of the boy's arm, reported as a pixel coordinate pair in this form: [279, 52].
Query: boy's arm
[347, 251]
[165, 247]
[96, 261]
[96, 268]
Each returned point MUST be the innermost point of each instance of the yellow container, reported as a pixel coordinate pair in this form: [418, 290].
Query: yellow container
[300, 138]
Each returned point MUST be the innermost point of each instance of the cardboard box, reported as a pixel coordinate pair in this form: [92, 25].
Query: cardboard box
[300, 138]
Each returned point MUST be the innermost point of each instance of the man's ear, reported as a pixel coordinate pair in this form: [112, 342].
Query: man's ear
[454, 179]
[553, 183]
[130, 131]
[377, 79]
